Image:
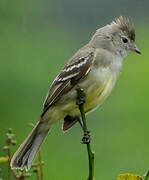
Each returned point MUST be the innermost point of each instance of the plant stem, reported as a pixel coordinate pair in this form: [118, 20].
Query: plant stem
[80, 103]
[37, 173]
[40, 165]
[9, 157]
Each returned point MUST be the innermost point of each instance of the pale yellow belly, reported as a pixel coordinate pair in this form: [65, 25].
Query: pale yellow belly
[95, 96]
[97, 86]
[96, 93]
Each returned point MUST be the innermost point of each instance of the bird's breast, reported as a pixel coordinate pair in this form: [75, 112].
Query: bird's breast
[100, 86]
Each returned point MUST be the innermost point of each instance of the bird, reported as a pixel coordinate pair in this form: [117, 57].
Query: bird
[95, 68]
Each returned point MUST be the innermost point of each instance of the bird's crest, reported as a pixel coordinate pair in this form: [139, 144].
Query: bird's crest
[126, 25]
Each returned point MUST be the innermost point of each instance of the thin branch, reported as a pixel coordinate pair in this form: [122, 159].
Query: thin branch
[40, 165]
[9, 157]
[9, 142]
[36, 170]
[86, 138]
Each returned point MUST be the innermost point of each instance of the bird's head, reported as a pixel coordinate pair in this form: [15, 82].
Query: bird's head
[119, 37]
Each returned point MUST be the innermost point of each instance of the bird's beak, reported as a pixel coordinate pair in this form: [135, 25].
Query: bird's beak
[134, 48]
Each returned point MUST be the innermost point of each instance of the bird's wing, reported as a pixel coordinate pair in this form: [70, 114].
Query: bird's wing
[68, 78]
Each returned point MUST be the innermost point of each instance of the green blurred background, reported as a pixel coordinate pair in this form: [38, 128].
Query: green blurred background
[36, 40]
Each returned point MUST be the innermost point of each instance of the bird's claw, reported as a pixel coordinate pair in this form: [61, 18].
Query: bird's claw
[81, 97]
[80, 100]
[86, 138]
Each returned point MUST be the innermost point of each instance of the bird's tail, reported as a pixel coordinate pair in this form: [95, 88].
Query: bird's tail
[24, 156]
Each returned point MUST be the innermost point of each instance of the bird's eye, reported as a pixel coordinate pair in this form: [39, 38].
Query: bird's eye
[125, 40]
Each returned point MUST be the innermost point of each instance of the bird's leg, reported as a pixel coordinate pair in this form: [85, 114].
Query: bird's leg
[86, 137]
[80, 101]
[81, 123]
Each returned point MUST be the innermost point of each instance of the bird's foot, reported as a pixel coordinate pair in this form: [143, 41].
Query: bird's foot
[86, 138]
[81, 97]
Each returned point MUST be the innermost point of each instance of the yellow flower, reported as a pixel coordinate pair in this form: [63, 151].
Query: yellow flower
[129, 177]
